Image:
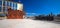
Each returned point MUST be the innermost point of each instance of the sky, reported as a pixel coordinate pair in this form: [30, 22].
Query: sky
[37, 7]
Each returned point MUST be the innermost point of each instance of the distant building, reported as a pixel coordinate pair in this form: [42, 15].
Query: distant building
[30, 17]
[56, 18]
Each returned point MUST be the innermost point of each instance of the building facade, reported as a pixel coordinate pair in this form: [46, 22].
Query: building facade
[13, 5]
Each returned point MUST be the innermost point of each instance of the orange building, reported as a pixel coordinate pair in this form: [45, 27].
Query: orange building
[15, 14]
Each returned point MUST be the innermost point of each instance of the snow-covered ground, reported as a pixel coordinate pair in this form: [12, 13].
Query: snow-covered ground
[27, 23]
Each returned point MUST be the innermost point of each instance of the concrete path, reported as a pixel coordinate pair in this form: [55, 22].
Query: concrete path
[27, 23]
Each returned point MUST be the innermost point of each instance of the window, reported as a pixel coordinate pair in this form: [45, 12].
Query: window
[15, 6]
[0, 2]
[0, 8]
